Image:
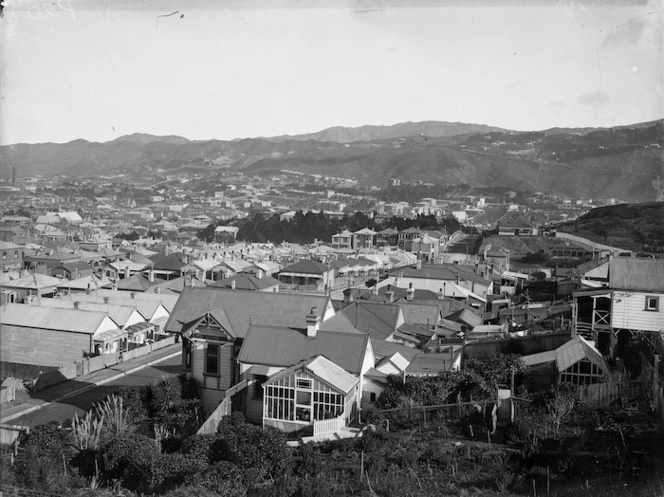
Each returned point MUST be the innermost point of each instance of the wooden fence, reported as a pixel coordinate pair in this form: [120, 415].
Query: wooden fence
[210, 425]
[327, 427]
[603, 394]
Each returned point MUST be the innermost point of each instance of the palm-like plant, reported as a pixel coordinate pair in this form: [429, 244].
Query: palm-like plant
[168, 392]
[116, 417]
[86, 431]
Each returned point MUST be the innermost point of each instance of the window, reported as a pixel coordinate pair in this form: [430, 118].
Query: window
[4, 256]
[303, 383]
[372, 397]
[212, 359]
[15, 254]
[652, 303]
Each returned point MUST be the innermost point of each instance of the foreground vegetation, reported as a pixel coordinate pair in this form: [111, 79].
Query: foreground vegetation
[143, 441]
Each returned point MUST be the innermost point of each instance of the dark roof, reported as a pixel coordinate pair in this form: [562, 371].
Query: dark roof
[465, 316]
[378, 320]
[515, 222]
[244, 308]
[74, 266]
[383, 349]
[306, 266]
[244, 281]
[631, 273]
[170, 262]
[283, 346]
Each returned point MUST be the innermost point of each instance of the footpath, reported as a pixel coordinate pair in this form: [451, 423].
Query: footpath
[24, 403]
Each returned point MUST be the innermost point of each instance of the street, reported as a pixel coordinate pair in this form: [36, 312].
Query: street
[61, 411]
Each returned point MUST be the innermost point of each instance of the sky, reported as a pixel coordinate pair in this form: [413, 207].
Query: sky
[97, 70]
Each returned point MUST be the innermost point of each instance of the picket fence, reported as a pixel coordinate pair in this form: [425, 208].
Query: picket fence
[327, 427]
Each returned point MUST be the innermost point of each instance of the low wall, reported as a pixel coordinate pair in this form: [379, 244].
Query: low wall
[23, 371]
[7, 394]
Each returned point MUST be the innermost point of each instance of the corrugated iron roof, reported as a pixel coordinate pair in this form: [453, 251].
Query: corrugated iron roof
[51, 318]
[631, 273]
[244, 308]
[323, 369]
[282, 346]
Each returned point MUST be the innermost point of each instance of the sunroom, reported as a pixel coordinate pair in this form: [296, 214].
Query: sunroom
[313, 392]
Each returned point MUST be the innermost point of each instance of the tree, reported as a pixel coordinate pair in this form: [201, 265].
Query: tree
[559, 405]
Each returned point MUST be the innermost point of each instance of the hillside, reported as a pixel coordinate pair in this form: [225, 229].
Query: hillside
[433, 129]
[622, 163]
[637, 227]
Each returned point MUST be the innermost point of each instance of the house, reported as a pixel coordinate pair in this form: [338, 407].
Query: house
[576, 361]
[17, 287]
[449, 280]
[314, 392]
[72, 270]
[11, 256]
[214, 322]
[225, 234]
[343, 240]
[123, 269]
[389, 237]
[249, 282]
[267, 350]
[425, 247]
[407, 235]
[50, 336]
[379, 321]
[512, 225]
[307, 275]
[632, 302]
[364, 239]
[167, 267]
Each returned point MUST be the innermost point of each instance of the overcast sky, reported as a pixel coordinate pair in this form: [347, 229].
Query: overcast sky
[98, 70]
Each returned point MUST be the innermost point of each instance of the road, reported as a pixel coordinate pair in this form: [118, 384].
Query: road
[79, 404]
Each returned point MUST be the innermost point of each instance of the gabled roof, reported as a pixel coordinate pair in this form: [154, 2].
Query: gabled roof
[465, 316]
[52, 318]
[378, 320]
[323, 369]
[567, 354]
[306, 266]
[443, 272]
[167, 300]
[420, 314]
[119, 314]
[245, 308]
[631, 273]
[364, 231]
[283, 346]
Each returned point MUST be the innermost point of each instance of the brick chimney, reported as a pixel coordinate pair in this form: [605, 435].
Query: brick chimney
[389, 294]
[410, 293]
[313, 323]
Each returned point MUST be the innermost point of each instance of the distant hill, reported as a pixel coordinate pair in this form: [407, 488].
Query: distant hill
[142, 139]
[434, 129]
[625, 163]
[638, 227]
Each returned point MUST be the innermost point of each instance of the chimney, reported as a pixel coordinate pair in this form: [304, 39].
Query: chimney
[418, 264]
[76, 305]
[410, 293]
[348, 296]
[259, 274]
[441, 294]
[313, 322]
[105, 300]
[87, 290]
[232, 284]
[151, 274]
[115, 286]
[132, 295]
[457, 279]
[389, 294]
[374, 290]
[127, 272]
[157, 290]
